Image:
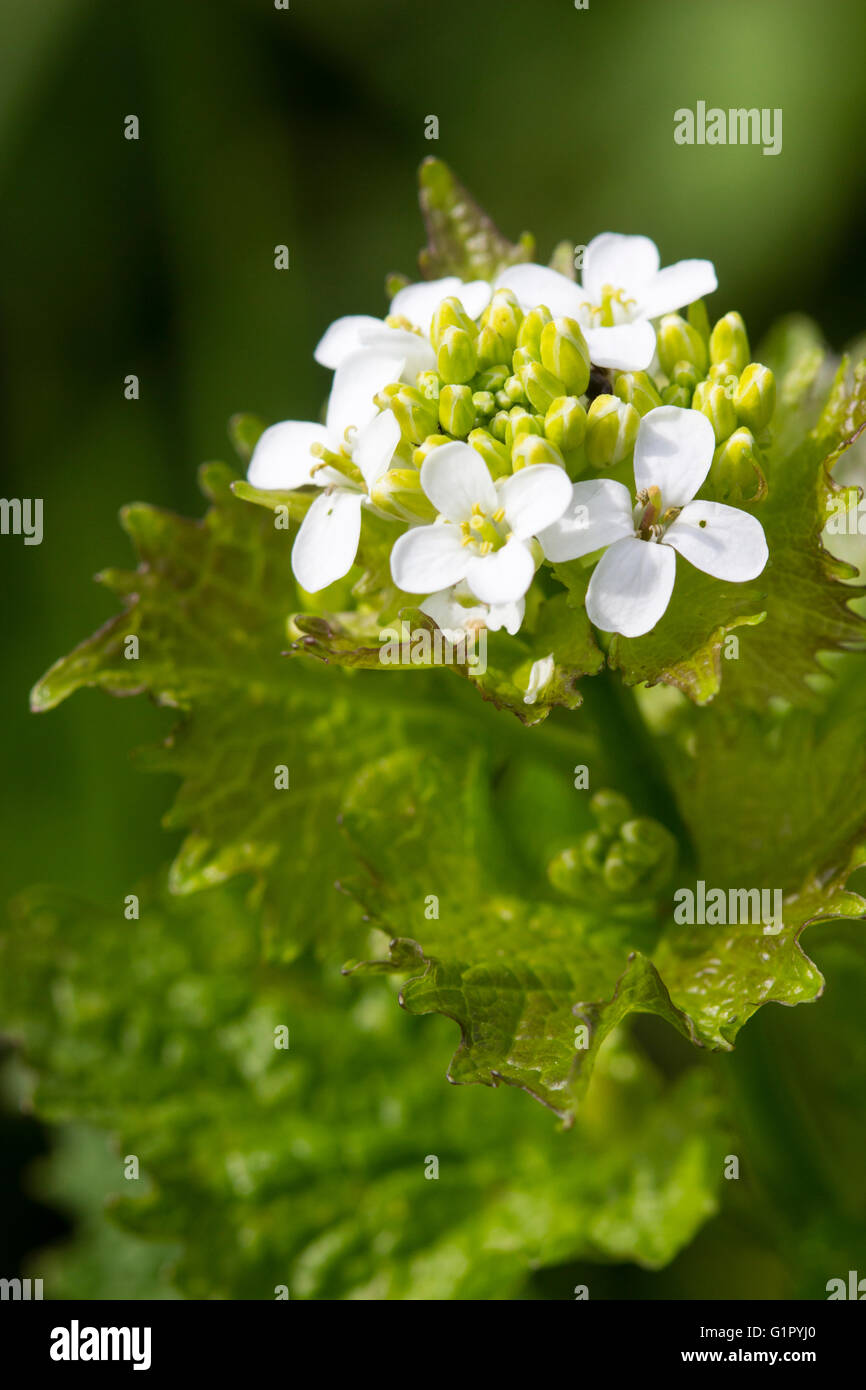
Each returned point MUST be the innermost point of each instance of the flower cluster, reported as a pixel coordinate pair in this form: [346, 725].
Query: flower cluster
[477, 418]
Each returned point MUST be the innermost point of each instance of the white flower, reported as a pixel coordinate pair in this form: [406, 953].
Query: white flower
[484, 530]
[458, 614]
[327, 542]
[417, 304]
[623, 288]
[632, 583]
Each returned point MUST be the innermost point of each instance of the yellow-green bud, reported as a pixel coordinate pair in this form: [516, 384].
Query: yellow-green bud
[729, 342]
[699, 319]
[529, 333]
[541, 386]
[736, 474]
[398, 493]
[678, 341]
[565, 423]
[755, 397]
[449, 314]
[491, 378]
[520, 422]
[484, 402]
[456, 360]
[677, 395]
[456, 410]
[498, 426]
[492, 349]
[521, 357]
[723, 372]
[611, 430]
[504, 315]
[564, 353]
[416, 415]
[637, 389]
[429, 385]
[685, 374]
[531, 449]
[513, 392]
[494, 454]
[433, 441]
[713, 401]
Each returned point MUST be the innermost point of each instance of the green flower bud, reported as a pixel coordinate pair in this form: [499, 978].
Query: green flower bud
[521, 422]
[433, 441]
[494, 454]
[456, 360]
[492, 349]
[729, 342]
[456, 410]
[677, 395]
[484, 402]
[513, 392]
[450, 314]
[637, 389]
[564, 353]
[725, 373]
[698, 318]
[713, 401]
[685, 374]
[565, 423]
[504, 315]
[530, 449]
[755, 397]
[736, 474]
[529, 333]
[491, 378]
[429, 385]
[611, 430]
[498, 426]
[678, 341]
[541, 386]
[521, 357]
[398, 493]
[416, 415]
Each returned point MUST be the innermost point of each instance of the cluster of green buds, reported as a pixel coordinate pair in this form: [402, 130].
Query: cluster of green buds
[622, 856]
[711, 371]
[520, 389]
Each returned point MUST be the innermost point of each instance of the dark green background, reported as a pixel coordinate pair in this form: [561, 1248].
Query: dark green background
[305, 127]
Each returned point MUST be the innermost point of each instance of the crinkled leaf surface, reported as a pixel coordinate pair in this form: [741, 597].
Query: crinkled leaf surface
[305, 1166]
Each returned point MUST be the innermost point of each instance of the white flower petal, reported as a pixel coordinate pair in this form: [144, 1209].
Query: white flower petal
[676, 286]
[455, 478]
[375, 445]
[417, 353]
[673, 452]
[722, 541]
[507, 615]
[475, 296]
[540, 676]
[419, 302]
[281, 459]
[631, 587]
[504, 575]
[534, 498]
[327, 543]
[626, 262]
[450, 615]
[342, 338]
[428, 558]
[538, 284]
[629, 346]
[356, 381]
[598, 513]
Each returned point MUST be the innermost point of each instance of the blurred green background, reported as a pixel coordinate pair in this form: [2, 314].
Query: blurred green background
[261, 126]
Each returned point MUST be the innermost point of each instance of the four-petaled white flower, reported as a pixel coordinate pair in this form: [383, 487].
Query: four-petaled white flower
[623, 289]
[327, 542]
[631, 585]
[415, 303]
[484, 530]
